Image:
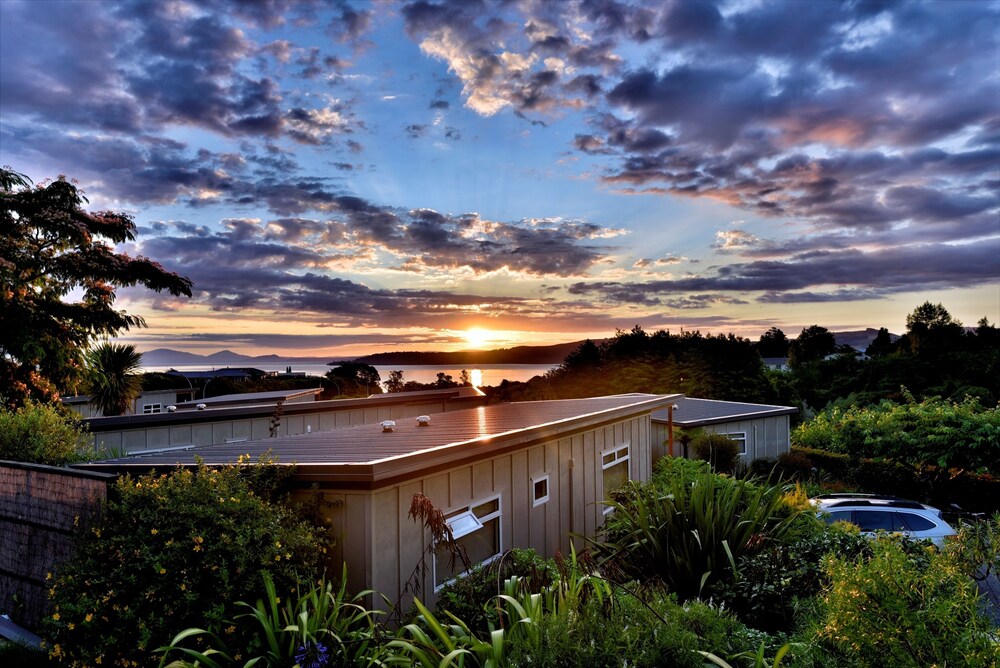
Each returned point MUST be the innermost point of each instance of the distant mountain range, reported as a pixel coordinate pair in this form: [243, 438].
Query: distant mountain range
[518, 355]
[554, 354]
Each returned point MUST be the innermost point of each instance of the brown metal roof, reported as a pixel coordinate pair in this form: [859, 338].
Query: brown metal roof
[365, 454]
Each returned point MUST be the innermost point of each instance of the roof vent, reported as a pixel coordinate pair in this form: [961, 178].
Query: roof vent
[171, 409]
[423, 420]
[201, 407]
[388, 425]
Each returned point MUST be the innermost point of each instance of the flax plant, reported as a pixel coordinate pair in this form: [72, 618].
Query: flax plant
[688, 531]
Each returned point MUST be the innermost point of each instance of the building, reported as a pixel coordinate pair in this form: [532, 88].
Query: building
[527, 474]
[776, 363]
[150, 401]
[271, 398]
[762, 431]
[261, 417]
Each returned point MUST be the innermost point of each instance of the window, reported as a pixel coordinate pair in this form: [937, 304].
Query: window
[614, 463]
[741, 440]
[152, 408]
[838, 516]
[539, 490]
[916, 522]
[477, 530]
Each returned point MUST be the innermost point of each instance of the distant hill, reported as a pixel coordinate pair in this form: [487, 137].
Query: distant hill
[859, 339]
[517, 355]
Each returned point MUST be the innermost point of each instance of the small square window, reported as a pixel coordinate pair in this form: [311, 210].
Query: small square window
[152, 408]
[539, 490]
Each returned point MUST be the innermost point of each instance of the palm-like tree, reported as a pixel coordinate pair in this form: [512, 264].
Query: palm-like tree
[115, 380]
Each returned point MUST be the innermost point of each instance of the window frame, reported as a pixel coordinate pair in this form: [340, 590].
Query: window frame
[539, 500]
[617, 459]
[465, 511]
[152, 409]
[739, 437]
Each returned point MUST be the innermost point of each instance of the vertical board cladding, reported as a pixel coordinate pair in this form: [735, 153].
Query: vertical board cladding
[394, 544]
[40, 508]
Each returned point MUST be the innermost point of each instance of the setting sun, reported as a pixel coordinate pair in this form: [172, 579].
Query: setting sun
[477, 337]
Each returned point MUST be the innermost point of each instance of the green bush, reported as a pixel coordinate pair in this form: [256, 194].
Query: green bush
[469, 597]
[687, 531]
[934, 431]
[771, 583]
[323, 626]
[904, 607]
[171, 552]
[43, 434]
[718, 450]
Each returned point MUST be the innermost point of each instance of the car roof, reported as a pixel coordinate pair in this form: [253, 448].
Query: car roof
[830, 501]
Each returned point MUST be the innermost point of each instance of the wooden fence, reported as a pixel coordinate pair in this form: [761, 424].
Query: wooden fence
[40, 509]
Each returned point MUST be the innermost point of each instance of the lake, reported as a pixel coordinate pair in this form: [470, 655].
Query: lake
[492, 374]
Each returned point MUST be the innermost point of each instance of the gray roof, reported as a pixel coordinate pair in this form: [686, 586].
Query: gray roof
[240, 411]
[251, 397]
[698, 412]
[365, 454]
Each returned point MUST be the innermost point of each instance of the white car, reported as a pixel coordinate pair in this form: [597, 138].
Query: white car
[874, 513]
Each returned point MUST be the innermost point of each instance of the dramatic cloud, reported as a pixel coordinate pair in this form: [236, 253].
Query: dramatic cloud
[362, 161]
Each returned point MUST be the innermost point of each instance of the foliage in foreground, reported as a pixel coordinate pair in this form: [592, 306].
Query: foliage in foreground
[687, 528]
[42, 434]
[170, 552]
[904, 607]
[949, 434]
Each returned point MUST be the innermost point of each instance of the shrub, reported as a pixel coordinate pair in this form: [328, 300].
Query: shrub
[469, 597]
[904, 607]
[687, 533]
[934, 431]
[718, 450]
[770, 584]
[171, 552]
[323, 626]
[794, 465]
[43, 434]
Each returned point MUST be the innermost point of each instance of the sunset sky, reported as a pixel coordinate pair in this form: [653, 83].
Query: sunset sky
[350, 177]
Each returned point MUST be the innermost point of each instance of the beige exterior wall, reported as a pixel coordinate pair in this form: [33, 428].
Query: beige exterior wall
[382, 546]
[766, 438]
[256, 428]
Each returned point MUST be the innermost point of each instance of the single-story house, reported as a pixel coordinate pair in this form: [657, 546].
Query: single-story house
[763, 431]
[776, 363]
[149, 401]
[260, 418]
[526, 474]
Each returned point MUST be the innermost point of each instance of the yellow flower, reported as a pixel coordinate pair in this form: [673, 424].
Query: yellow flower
[98, 660]
[184, 587]
[48, 576]
[71, 626]
[56, 616]
[154, 531]
[277, 557]
[89, 617]
[163, 571]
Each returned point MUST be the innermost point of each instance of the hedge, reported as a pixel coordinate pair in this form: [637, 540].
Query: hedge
[972, 492]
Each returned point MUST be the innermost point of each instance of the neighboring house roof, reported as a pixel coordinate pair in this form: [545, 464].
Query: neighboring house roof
[250, 398]
[699, 412]
[468, 395]
[366, 456]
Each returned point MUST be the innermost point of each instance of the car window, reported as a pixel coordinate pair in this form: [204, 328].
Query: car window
[874, 520]
[916, 522]
[837, 516]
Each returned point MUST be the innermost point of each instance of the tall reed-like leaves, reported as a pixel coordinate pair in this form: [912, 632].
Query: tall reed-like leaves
[688, 531]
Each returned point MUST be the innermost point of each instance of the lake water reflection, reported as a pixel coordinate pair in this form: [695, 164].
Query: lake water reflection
[492, 374]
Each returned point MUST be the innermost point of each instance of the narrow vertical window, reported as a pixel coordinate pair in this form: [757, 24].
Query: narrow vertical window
[614, 465]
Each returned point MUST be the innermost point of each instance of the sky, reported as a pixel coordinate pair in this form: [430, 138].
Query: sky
[339, 178]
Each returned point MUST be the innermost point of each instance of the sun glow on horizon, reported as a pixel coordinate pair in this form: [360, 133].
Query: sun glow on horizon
[478, 337]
